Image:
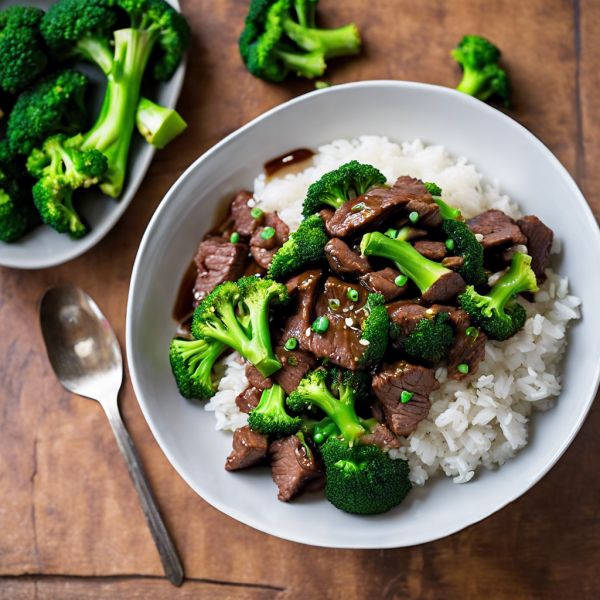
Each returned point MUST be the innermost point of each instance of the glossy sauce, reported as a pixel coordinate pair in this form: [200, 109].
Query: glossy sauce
[291, 162]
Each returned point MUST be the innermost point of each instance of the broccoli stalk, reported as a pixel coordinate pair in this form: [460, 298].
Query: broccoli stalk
[270, 417]
[192, 362]
[157, 124]
[304, 248]
[237, 314]
[430, 339]
[320, 431]
[498, 313]
[446, 212]
[336, 187]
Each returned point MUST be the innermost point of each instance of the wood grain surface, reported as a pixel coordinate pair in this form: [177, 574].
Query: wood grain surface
[70, 524]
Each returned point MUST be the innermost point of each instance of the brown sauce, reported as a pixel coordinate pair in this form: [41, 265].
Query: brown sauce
[291, 162]
[183, 308]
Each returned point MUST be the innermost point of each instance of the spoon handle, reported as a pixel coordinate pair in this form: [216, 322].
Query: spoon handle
[164, 544]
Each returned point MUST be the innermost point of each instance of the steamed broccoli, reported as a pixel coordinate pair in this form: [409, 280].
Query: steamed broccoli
[336, 187]
[192, 362]
[446, 212]
[498, 313]
[375, 330]
[424, 272]
[22, 49]
[280, 37]
[54, 104]
[237, 314]
[320, 431]
[430, 339]
[465, 244]
[482, 77]
[304, 248]
[270, 417]
[157, 124]
[363, 479]
[62, 168]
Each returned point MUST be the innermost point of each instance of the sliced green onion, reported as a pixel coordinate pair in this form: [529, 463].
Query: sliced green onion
[321, 325]
[334, 304]
[450, 244]
[235, 237]
[267, 233]
[413, 217]
[353, 295]
[463, 368]
[325, 361]
[358, 206]
[319, 437]
[472, 332]
[292, 360]
[256, 213]
[392, 233]
[291, 343]
[401, 280]
[406, 396]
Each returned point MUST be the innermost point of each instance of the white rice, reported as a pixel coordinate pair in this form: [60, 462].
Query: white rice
[482, 421]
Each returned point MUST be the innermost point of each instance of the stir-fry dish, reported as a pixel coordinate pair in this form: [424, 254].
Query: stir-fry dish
[341, 324]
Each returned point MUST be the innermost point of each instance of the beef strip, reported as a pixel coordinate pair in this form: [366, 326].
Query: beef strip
[293, 468]
[388, 385]
[340, 343]
[446, 287]
[326, 214]
[377, 411]
[245, 223]
[431, 250]
[263, 250]
[539, 242]
[344, 261]
[249, 448]
[248, 400]
[218, 260]
[466, 350]
[384, 283]
[406, 315]
[408, 195]
[497, 228]
[382, 437]
[255, 378]
[453, 262]
[296, 364]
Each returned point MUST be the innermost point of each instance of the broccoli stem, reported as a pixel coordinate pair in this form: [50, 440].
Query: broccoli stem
[306, 13]
[97, 50]
[330, 42]
[76, 228]
[307, 65]
[422, 271]
[157, 124]
[471, 83]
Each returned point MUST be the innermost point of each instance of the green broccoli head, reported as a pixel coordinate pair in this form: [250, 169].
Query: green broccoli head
[304, 248]
[275, 44]
[270, 416]
[467, 246]
[482, 77]
[192, 362]
[362, 479]
[22, 49]
[498, 313]
[375, 330]
[433, 189]
[430, 339]
[54, 104]
[336, 187]
[237, 314]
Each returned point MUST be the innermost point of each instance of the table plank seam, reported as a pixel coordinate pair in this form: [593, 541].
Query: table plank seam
[579, 140]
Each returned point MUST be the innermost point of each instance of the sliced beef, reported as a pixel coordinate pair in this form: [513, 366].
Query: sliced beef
[304, 288]
[388, 385]
[381, 436]
[263, 250]
[249, 448]
[218, 260]
[253, 268]
[384, 283]
[539, 242]
[245, 223]
[344, 261]
[255, 378]
[326, 214]
[431, 250]
[466, 350]
[248, 400]
[453, 262]
[497, 229]
[377, 411]
[293, 467]
[378, 205]
[406, 315]
[296, 364]
[446, 287]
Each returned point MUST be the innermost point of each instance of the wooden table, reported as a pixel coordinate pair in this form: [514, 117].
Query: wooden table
[70, 523]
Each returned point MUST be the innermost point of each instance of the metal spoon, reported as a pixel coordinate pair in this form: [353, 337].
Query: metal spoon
[86, 357]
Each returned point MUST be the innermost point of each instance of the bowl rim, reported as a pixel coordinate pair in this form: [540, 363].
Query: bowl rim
[146, 240]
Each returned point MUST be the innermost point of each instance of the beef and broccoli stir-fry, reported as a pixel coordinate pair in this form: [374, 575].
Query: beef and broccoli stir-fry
[342, 323]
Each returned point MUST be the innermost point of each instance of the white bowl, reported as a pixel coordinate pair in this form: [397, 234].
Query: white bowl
[500, 148]
[43, 247]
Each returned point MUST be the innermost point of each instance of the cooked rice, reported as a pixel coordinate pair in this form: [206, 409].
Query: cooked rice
[482, 421]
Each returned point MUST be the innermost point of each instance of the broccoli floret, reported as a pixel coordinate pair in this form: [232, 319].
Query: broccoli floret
[482, 77]
[363, 479]
[336, 187]
[270, 417]
[498, 313]
[273, 44]
[192, 362]
[304, 248]
[375, 330]
[424, 272]
[467, 246]
[61, 168]
[54, 104]
[433, 189]
[22, 49]
[446, 212]
[430, 339]
[237, 314]
[157, 124]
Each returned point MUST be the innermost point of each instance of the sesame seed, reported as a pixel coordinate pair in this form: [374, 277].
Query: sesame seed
[349, 321]
[364, 342]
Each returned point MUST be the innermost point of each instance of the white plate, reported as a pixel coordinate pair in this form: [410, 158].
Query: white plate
[43, 247]
[500, 148]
